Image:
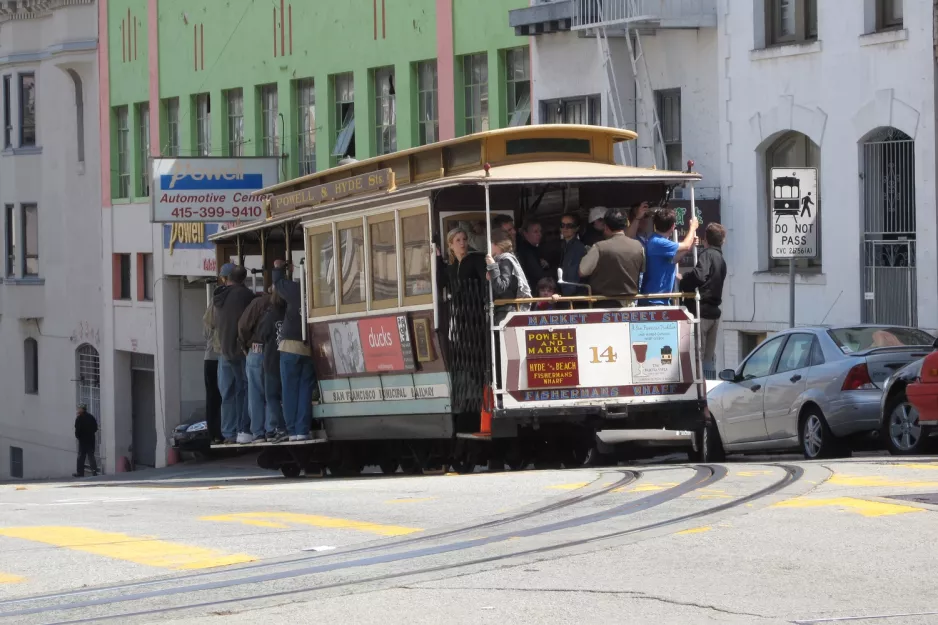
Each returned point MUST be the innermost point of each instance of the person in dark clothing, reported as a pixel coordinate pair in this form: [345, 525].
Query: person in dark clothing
[573, 253]
[230, 302]
[273, 391]
[86, 427]
[210, 368]
[297, 375]
[708, 276]
[528, 254]
[251, 342]
[508, 279]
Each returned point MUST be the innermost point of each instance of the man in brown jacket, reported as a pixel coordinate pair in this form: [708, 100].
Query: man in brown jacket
[253, 344]
[613, 266]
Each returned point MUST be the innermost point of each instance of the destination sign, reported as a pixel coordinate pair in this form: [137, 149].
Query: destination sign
[304, 198]
[552, 358]
[553, 372]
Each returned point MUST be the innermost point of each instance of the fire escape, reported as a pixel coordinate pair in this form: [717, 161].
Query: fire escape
[632, 20]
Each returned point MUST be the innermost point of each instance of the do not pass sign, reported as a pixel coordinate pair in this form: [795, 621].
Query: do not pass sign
[795, 210]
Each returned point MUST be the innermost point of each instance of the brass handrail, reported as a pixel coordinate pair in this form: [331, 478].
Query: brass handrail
[592, 298]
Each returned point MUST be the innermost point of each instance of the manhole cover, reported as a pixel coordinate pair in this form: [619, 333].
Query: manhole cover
[926, 498]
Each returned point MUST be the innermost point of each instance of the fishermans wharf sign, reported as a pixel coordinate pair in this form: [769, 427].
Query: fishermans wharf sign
[370, 182]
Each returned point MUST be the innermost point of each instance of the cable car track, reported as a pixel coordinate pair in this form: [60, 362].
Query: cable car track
[704, 476]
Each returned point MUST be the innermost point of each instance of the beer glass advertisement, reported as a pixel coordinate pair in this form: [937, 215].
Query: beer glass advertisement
[655, 357]
[346, 348]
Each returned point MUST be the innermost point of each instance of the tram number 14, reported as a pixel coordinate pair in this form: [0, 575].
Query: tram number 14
[607, 355]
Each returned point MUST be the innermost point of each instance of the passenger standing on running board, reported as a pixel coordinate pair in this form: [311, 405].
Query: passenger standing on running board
[708, 276]
[298, 378]
[613, 266]
[662, 253]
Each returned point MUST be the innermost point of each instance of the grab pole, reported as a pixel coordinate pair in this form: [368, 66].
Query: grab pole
[488, 232]
[304, 314]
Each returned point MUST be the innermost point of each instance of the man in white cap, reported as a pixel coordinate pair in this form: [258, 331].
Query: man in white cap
[594, 235]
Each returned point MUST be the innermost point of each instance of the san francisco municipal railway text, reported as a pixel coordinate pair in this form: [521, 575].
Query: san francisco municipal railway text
[210, 206]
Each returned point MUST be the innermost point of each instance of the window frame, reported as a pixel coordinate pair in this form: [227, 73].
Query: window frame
[11, 235]
[30, 367]
[270, 130]
[234, 99]
[146, 276]
[122, 139]
[143, 149]
[413, 300]
[810, 265]
[340, 226]
[7, 111]
[322, 311]
[469, 118]
[592, 106]
[808, 355]
[389, 124]
[781, 340]
[305, 103]
[806, 28]
[513, 108]
[203, 124]
[884, 19]
[123, 296]
[171, 112]
[344, 118]
[379, 218]
[427, 99]
[21, 106]
[24, 225]
[664, 97]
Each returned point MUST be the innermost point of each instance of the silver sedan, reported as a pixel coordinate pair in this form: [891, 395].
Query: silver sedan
[811, 388]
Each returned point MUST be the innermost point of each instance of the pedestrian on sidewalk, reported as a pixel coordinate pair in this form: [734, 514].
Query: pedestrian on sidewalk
[708, 276]
[86, 427]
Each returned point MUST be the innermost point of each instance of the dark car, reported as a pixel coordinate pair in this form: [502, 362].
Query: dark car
[902, 433]
[192, 434]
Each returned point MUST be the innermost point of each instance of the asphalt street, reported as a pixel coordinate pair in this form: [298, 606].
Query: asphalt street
[760, 540]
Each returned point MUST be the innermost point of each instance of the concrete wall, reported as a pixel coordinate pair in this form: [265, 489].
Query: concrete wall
[60, 308]
[836, 91]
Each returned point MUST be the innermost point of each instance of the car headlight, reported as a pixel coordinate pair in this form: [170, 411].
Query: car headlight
[197, 427]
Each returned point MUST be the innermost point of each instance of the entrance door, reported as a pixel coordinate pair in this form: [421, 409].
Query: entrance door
[88, 389]
[143, 410]
[889, 263]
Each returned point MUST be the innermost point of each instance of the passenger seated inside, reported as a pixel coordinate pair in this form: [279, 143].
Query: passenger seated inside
[613, 266]
[547, 287]
[662, 253]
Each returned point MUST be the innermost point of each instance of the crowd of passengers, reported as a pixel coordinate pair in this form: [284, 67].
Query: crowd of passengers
[618, 255]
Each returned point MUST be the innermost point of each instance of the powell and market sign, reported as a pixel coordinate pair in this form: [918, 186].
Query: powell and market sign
[382, 180]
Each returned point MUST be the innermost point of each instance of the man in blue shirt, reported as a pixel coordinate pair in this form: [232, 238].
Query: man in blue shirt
[661, 253]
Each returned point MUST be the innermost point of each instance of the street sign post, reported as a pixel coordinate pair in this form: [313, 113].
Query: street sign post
[795, 212]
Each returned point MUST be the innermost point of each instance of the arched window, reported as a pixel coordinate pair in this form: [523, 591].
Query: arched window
[31, 365]
[793, 149]
[88, 386]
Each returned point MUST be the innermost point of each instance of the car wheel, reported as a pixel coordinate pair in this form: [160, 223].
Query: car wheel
[709, 445]
[902, 432]
[817, 440]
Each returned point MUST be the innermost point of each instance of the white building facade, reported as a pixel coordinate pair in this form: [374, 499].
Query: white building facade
[50, 296]
[741, 87]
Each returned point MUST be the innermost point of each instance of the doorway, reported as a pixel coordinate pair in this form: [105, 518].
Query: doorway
[143, 410]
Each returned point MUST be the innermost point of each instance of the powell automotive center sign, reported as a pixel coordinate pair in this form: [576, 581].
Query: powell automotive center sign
[795, 210]
[210, 189]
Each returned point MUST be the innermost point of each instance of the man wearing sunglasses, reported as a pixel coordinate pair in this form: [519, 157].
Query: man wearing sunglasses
[573, 252]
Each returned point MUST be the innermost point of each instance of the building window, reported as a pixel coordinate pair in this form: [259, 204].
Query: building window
[668, 102]
[793, 149]
[143, 145]
[428, 122]
[10, 220]
[7, 112]
[145, 277]
[31, 365]
[234, 100]
[123, 151]
[270, 120]
[79, 114]
[16, 461]
[790, 21]
[306, 122]
[476, 84]
[888, 14]
[171, 111]
[203, 124]
[27, 109]
[385, 111]
[344, 89]
[518, 78]
[122, 277]
[31, 239]
[584, 110]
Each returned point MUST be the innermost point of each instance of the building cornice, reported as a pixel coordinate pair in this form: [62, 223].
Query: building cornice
[56, 49]
[33, 9]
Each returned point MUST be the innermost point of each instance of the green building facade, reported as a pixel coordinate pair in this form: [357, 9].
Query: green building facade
[308, 80]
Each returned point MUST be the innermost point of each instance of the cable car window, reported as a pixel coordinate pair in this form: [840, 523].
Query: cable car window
[382, 243]
[517, 147]
[415, 239]
[352, 266]
[322, 270]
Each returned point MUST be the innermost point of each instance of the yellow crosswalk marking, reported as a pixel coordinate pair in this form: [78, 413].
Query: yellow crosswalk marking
[850, 504]
[644, 488]
[140, 550]
[7, 578]
[695, 530]
[253, 518]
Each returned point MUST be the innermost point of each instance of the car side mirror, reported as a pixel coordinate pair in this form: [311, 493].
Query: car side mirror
[727, 375]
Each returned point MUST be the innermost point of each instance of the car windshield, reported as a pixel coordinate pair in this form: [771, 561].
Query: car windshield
[851, 340]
